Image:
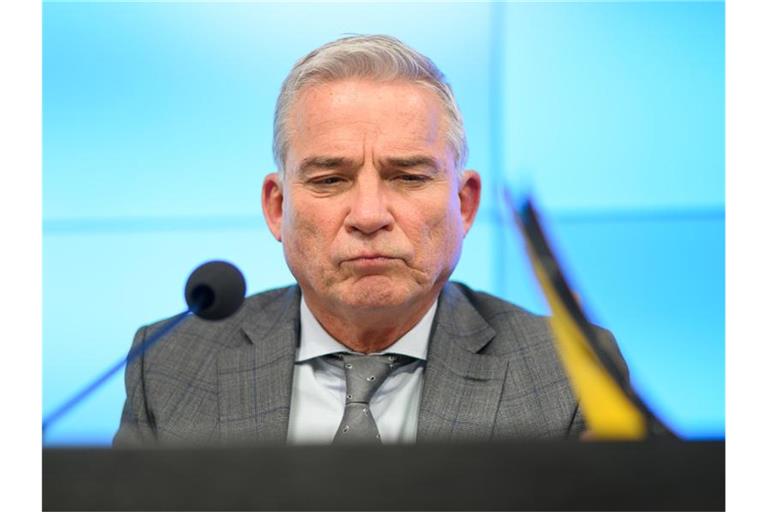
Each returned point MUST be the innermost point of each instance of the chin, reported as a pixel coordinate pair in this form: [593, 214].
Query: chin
[377, 292]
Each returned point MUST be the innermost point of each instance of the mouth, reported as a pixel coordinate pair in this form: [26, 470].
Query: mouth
[371, 261]
[371, 257]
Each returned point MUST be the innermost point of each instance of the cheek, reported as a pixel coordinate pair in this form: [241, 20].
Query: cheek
[307, 234]
[436, 231]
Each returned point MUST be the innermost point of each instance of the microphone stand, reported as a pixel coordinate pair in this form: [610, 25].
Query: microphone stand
[214, 291]
[101, 379]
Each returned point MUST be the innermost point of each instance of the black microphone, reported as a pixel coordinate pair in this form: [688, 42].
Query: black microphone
[215, 290]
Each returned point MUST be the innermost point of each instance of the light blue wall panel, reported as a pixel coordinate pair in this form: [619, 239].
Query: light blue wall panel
[613, 105]
[659, 285]
[165, 109]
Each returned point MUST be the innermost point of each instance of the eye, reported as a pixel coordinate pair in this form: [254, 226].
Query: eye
[327, 181]
[412, 178]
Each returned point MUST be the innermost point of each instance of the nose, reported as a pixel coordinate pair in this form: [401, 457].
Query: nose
[369, 210]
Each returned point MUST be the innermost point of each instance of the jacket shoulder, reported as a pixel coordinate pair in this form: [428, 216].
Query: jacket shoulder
[172, 389]
[519, 329]
[515, 326]
[261, 308]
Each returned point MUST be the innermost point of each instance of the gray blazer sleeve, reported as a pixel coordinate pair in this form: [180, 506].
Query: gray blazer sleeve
[136, 423]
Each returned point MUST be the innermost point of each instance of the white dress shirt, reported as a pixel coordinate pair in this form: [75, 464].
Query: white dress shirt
[319, 387]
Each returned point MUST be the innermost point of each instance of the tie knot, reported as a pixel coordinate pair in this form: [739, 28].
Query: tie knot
[365, 373]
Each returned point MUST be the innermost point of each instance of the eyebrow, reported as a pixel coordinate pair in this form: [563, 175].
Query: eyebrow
[338, 162]
[324, 162]
[412, 161]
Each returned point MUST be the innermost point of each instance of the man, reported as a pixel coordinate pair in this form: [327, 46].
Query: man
[371, 202]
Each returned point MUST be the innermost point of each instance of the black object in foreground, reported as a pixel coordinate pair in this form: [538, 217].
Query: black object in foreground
[214, 291]
[525, 475]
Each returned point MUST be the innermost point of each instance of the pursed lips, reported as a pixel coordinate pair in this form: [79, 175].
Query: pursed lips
[370, 258]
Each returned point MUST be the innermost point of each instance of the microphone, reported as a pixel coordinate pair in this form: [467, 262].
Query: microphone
[215, 290]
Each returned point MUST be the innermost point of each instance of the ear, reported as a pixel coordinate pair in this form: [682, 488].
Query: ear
[469, 197]
[272, 204]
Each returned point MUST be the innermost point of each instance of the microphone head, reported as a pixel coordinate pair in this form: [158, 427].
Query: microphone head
[215, 290]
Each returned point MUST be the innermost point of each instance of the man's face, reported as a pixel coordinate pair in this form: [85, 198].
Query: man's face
[371, 210]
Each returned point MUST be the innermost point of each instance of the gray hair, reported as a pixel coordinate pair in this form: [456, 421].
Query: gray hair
[378, 57]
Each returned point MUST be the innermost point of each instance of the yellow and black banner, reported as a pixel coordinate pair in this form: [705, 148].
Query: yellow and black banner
[612, 409]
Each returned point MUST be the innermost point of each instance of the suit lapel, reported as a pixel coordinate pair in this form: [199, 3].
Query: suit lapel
[256, 378]
[462, 388]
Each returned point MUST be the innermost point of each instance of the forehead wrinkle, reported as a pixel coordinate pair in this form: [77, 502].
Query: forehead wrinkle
[429, 132]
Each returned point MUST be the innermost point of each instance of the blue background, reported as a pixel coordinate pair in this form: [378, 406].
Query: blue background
[157, 133]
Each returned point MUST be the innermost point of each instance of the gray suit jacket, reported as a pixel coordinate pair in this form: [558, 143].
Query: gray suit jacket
[492, 372]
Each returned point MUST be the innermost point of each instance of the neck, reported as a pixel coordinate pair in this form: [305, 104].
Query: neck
[370, 330]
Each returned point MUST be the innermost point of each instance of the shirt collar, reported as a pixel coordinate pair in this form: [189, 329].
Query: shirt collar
[316, 342]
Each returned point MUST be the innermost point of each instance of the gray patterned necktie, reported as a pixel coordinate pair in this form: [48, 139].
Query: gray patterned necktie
[364, 375]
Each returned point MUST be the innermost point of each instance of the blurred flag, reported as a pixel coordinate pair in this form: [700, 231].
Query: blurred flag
[612, 409]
